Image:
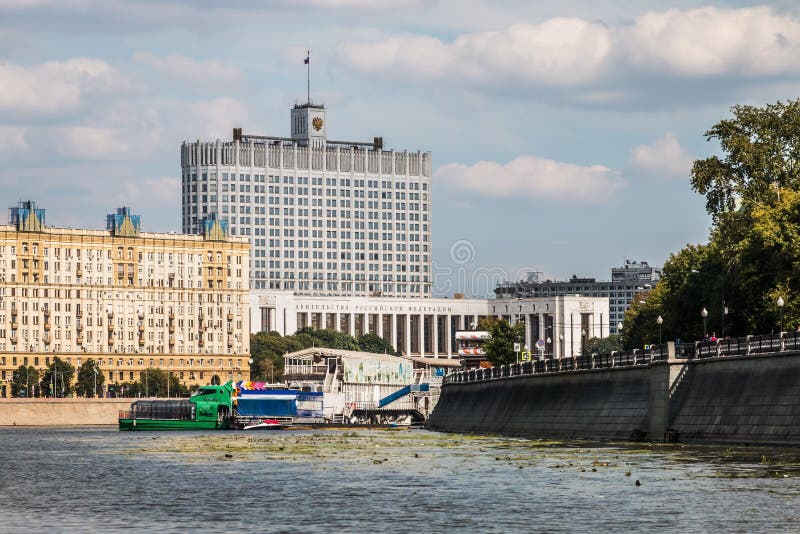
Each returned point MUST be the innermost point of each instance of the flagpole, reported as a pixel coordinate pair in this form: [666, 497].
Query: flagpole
[308, 77]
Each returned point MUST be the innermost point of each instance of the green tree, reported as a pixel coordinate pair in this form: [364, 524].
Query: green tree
[376, 344]
[90, 379]
[500, 345]
[25, 380]
[603, 345]
[761, 149]
[753, 253]
[57, 379]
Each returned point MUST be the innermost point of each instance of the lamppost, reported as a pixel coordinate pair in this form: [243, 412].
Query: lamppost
[619, 328]
[95, 379]
[704, 315]
[724, 310]
[660, 321]
[561, 345]
[583, 342]
[780, 304]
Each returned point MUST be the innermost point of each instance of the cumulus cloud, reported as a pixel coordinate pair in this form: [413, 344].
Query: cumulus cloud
[535, 178]
[664, 157]
[597, 61]
[55, 86]
[711, 42]
[560, 51]
[186, 69]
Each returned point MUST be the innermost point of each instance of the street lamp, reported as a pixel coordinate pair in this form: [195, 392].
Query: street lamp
[619, 328]
[561, 345]
[660, 321]
[583, 342]
[704, 315]
[780, 307]
[721, 276]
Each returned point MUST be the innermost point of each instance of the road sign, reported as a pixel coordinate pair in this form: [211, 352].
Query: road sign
[540, 344]
[517, 347]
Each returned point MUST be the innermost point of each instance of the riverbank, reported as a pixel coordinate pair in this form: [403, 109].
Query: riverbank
[61, 412]
[748, 398]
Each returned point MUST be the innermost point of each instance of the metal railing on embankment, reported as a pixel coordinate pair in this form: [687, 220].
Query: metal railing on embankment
[743, 346]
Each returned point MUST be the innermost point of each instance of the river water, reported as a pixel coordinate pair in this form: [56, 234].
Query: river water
[99, 479]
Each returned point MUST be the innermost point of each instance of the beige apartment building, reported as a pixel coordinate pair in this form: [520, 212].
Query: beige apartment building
[130, 300]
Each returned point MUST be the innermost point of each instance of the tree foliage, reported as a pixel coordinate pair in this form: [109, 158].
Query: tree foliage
[500, 345]
[57, 379]
[25, 380]
[90, 379]
[603, 345]
[753, 253]
[761, 149]
[154, 382]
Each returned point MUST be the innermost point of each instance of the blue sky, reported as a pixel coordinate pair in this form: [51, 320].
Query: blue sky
[562, 131]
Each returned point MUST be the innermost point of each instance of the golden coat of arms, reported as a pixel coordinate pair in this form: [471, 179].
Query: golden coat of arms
[317, 123]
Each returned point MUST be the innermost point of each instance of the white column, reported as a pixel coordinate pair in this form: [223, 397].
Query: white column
[380, 325]
[394, 330]
[352, 324]
[528, 327]
[449, 335]
[435, 333]
[408, 333]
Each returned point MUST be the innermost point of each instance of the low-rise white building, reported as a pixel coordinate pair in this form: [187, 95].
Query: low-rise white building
[427, 326]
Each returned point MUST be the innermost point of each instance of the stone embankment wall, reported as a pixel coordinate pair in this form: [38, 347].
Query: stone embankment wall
[61, 412]
[596, 404]
[745, 399]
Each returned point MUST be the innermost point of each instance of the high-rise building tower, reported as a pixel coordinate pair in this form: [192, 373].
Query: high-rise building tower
[323, 217]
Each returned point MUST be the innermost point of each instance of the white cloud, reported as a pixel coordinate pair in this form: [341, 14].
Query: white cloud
[164, 191]
[598, 62]
[664, 157]
[533, 177]
[186, 69]
[710, 42]
[88, 142]
[560, 51]
[54, 87]
[215, 119]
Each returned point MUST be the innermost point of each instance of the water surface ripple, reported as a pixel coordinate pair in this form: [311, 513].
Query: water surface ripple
[99, 479]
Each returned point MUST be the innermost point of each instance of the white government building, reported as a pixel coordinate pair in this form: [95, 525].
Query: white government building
[340, 234]
[323, 217]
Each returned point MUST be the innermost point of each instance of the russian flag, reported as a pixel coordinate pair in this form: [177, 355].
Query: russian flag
[307, 60]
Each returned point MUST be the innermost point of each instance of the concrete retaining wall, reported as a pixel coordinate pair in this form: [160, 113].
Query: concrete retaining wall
[593, 404]
[748, 399]
[61, 412]
[736, 399]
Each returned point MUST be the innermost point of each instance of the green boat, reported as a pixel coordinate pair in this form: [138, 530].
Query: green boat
[209, 408]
